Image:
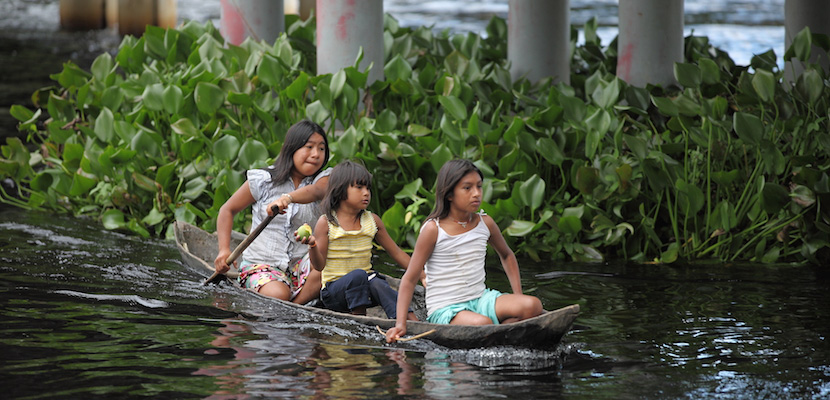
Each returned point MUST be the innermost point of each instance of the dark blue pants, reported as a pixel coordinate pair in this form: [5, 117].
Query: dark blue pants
[355, 290]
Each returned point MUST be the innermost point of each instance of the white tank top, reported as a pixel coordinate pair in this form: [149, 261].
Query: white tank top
[455, 270]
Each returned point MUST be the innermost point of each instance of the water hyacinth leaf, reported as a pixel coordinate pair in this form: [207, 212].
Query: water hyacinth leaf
[410, 190]
[297, 89]
[394, 219]
[671, 254]
[397, 69]
[519, 228]
[533, 192]
[665, 106]
[637, 146]
[317, 112]
[454, 107]
[688, 75]
[112, 97]
[144, 182]
[81, 185]
[209, 97]
[710, 72]
[725, 178]
[801, 47]
[774, 161]
[270, 71]
[185, 127]
[153, 97]
[764, 83]
[242, 99]
[803, 196]
[575, 108]
[226, 148]
[587, 178]
[606, 95]
[550, 151]
[122, 155]
[748, 127]
[440, 156]
[386, 121]
[194, 188]
[23, 114]
[155, 217]
[113, 219]
[570, 225]
[810, 85]
[338, 81]
[104, 126]
[252, 154]
[690, 198]
[417, 130]
[774, 197]
[102, 67]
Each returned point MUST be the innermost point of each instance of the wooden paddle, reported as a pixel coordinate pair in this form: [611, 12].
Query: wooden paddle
[245, 243]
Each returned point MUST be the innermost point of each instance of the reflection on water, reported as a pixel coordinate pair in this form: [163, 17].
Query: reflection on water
[90, 313]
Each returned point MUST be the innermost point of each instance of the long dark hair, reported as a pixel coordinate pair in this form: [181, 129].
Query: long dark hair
[296, 137]
[448, 177]
[345, 174]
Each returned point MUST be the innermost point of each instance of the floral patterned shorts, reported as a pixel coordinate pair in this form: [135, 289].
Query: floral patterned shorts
[254, 276]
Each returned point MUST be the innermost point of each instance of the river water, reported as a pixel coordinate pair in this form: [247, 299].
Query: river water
[90, 313]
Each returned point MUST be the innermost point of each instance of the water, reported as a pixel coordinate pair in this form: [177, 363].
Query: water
[93, 313]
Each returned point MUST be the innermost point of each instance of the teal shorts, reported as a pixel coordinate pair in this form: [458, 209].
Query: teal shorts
[484, 305]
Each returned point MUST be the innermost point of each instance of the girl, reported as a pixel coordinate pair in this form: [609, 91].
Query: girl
[452, 246]
[274, 264]
[341, 246]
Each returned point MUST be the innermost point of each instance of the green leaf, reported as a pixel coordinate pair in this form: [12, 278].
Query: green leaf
[410, 190]
[397, 69]
[172, 98]
[665, 106]
[155, 217]
[519, 228]
[252, 154]
[209, 97]
[185, 127]
[338, 81]
[194, 188]
[297, 88]
[81, 185]
[153, 97]
[533, 192]
[317, 112]
[774, 197]
[113, 219]
[690, 198]
[270, 71]
[226, 148]
[688, 75]
[454, 106]
[748, 127]
[104, 126]
[710, 72]
[440, 156]
[551, 152]
[570, 225]
[764, 83]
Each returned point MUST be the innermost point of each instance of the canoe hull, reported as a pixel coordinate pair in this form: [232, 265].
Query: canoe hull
[199, 248]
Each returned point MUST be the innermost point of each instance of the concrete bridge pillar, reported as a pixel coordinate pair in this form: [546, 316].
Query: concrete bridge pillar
[538, 39]
[343, 27]
[257, 19]
[650, 41]
[799, 14]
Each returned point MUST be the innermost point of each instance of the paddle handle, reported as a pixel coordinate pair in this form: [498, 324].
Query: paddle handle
[244, 245]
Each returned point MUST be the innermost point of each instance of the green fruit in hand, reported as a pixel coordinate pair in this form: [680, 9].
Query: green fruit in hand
[304, 231]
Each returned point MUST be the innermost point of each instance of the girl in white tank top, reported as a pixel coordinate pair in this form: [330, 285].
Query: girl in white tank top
[452, 246]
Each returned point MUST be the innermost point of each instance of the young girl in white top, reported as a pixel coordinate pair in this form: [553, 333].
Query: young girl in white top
[275, 264]
[452, 246]
[341, 246]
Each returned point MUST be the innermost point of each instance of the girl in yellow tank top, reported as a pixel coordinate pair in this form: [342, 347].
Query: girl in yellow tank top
[341, 245]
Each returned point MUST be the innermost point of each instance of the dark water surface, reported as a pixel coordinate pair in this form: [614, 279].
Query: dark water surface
[93, 313]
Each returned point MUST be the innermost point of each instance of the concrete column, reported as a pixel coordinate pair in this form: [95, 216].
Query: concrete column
[538, 39]
[650, 41]
[81, 14]
[799, 14]
[345, 26]
[135, 15]
[257, 19]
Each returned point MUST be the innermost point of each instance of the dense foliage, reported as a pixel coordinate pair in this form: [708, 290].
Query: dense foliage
[731, 165]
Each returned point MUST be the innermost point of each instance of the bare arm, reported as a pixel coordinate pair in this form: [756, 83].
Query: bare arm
[423, 250]
[304, 195]
[317, 254]
[240, 200]
[506, 255]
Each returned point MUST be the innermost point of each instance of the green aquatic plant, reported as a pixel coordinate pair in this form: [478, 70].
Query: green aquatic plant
[730, 164]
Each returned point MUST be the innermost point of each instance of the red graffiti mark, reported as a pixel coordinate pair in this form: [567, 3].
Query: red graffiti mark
[232, 27]
[624, 62]
[343, 25]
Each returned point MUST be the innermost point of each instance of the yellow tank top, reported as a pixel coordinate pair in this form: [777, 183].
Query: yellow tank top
[349, 250]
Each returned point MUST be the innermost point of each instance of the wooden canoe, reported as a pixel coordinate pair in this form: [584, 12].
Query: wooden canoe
[199, 248]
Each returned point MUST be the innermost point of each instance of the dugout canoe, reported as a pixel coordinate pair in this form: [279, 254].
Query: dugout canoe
[198, 249]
